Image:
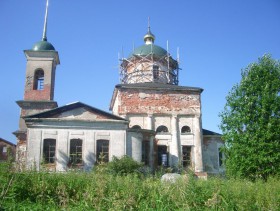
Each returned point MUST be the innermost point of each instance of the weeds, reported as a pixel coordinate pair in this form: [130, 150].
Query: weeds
[100, 190]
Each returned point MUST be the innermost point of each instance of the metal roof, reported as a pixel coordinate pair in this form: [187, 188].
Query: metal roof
[7, 142]
[210, 133]
[147, 49]
[43, 46]
[153, 85]
[71, 106]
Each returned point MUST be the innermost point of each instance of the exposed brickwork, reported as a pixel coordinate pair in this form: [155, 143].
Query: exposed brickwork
[99, 116]
[44, 94]
[157, 101]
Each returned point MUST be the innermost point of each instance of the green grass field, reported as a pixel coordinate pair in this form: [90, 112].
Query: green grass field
[104, 191]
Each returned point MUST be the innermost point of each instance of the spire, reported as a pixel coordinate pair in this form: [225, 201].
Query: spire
[149, 27]
[44, 38]
[149, 38]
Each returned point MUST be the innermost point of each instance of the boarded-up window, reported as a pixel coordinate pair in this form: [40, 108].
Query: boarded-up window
[186, 156]
[102, 151]
[76, 151]
[49, 150]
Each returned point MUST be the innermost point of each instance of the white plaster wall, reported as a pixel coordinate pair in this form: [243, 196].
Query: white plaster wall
[62, 150]
[115, 109]
[186, 121]
[137, 120]
[117, 145]
[89, 155]
[136, 146]
[34, 149]
[46, 65]
[163, 139]
[211, 155]
[187, 139]
[162, 120]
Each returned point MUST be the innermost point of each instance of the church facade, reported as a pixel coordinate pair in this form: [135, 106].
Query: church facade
[153, 119]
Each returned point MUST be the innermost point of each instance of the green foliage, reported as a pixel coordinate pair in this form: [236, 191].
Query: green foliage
[96, 191]
[123, 166]
[251, 123]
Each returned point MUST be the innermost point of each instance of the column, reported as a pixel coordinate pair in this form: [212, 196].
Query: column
[198, 144]
[149, 125]
[174, 146]
[151, 153]
[149, 122]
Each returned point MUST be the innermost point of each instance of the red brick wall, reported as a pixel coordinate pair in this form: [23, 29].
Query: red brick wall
[44, 94]
[156, 101]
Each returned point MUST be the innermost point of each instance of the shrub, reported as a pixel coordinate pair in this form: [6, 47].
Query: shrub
[123, 166]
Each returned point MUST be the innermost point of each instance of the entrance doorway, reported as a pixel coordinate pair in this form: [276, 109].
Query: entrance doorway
[162, 155]
[186, 156]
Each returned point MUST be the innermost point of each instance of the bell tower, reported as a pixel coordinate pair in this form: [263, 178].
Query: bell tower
[42, 60]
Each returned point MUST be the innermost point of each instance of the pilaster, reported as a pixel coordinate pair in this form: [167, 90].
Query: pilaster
[198, 144]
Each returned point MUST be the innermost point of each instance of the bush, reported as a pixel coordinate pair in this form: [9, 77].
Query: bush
[123, 166]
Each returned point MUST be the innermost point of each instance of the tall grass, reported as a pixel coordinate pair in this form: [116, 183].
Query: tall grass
[104, 191]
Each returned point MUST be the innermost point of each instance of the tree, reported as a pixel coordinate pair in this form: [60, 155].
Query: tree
[250, 122]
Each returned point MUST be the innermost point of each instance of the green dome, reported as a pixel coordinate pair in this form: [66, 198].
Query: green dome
[148, 49]
[43, 46]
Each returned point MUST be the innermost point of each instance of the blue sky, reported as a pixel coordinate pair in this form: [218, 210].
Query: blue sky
[217, 38]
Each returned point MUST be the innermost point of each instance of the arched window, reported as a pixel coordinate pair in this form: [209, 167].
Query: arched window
[76, 151]
[49, 150]
[102, 150]
[185, 129]
[136, 127]
[39, 80]
[162, 129]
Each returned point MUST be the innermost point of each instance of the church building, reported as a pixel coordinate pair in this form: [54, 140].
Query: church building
[153, 119]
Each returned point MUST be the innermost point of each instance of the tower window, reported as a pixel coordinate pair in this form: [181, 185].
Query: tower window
[185, 129]
[155, 71]
[162, 129]
[49, 150]
[39, 80]
[102, 151]
[76, 151]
